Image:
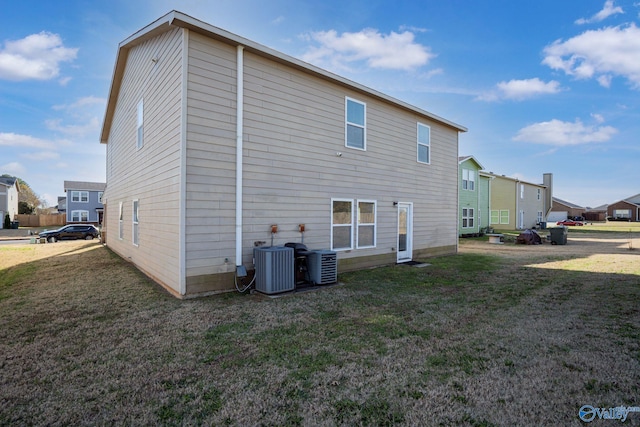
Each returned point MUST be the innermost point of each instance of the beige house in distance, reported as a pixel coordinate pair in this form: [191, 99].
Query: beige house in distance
[214, 141]
[517, 204]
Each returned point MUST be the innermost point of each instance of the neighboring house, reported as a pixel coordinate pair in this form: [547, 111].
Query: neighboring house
[84, 202]
[517, 204]
[484, 201]
[62, 204]
[599, 213]
[9, 190]
[214, 141]
[469, 191]
[624, 209]
[563, 210]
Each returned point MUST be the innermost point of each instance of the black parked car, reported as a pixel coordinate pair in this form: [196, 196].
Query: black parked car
[72, 231]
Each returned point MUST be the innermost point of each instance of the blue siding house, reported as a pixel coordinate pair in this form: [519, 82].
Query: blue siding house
[84, 202]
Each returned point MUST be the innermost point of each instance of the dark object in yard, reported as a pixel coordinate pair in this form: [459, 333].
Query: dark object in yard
[529, 237]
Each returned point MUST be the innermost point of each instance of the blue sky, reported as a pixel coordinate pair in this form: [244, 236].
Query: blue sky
[545, 86]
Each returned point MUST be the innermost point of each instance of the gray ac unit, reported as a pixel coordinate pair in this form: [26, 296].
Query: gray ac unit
[322, 266]
[275, 269]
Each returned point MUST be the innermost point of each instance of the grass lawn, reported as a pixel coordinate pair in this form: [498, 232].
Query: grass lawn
[499, 335]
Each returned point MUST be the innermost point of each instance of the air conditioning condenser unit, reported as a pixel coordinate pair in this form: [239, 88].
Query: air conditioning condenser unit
[275, 269]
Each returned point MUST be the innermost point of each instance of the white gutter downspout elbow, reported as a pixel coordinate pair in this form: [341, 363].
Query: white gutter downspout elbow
[239, 137]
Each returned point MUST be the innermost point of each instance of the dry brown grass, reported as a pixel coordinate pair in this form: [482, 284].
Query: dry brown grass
[498, 335]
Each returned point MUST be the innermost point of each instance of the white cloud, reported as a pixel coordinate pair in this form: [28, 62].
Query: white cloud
[82, 103]
[559, 133]
[13, 168]
[17, 140]
[92, 125]
[608, 10]
[600, 54]
[41, 155]
[521, 89]
[397, 51]
[37, 57]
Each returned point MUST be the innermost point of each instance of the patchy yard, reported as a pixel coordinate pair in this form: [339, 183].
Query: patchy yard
[499, 335]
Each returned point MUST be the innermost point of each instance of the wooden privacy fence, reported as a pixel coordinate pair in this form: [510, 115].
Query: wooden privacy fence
[41, 220]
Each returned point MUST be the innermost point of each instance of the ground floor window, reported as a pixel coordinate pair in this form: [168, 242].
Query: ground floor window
[539, 217]
[504, 216]
[622, 213]
[79, 216]
[366, 224]
[467, 218]
[495, 217]
[120, 223]
[135, 220]
[341, 224]
[353, 222]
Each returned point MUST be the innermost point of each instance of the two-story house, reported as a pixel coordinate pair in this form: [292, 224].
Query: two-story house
[217, 144]
[474, 187]
[84, 202]
[9, 192]
[517, 204]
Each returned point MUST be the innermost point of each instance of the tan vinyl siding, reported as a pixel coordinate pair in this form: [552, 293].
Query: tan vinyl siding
[293, 128]
[152, 173]
[210, 187]
[503, 198]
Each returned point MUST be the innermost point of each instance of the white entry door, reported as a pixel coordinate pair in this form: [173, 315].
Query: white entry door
[405, 232]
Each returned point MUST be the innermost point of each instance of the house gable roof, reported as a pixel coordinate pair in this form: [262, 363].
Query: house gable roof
[463, 159]
[515, 180]
[175, 19]
[87, 186]
[10, 182]
[568, 204]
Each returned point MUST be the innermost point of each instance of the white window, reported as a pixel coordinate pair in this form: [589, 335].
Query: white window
[468, 179]
[79, 216]
[495, 217]
[100, 196]
[504, 217]
[140, 127]
[622, 213]
[539, 217]
[522, 191]
[80, 196]
[539, 193]
[366, 224]
[341, 224]
[120, 224]
[424, 143]
[135, 218]
[467, 218]
[355, 129]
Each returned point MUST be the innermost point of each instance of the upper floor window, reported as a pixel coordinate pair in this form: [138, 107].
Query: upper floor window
[468, 179]
[356, 134]
[424, 143]
[140, 127]
[522, 191]
[100, 193]
[539, 193]
[80, 196]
